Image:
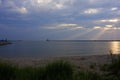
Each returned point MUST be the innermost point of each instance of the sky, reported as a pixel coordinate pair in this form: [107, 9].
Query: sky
[60, 19]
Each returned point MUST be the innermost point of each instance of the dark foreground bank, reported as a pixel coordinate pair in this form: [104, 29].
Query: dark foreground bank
[62, 69]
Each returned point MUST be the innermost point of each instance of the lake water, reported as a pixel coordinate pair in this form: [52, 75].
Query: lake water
[58, 48]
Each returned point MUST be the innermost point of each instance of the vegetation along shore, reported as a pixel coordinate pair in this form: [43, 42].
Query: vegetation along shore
[96, 67]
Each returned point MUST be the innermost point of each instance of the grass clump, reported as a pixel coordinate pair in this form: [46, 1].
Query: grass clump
[7, 71]
[87, 75]
[60, 70]
[113, 69]
[26, 73]
[92, 66]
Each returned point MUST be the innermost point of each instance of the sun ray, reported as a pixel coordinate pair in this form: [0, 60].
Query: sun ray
[98, 35]
[79, 34]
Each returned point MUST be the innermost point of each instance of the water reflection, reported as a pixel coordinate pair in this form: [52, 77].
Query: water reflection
[115, 47]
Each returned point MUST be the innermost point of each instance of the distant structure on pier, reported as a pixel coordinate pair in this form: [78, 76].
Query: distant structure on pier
[47, 40]
[4, 42]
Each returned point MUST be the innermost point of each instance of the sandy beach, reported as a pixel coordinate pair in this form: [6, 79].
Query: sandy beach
[81, 62]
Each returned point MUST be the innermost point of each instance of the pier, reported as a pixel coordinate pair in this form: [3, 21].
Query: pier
[4, 42]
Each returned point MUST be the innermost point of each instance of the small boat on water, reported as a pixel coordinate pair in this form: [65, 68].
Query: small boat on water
[47, 40]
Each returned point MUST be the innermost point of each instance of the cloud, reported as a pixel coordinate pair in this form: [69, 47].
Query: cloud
[11, 7]
[59, 6]
[65, 26]
[0, 2]
[115, 20]
[39, 5]
[106, 28]
[50, 15]
[97, 27]
[22, 10]
[114, 8]
[91, 11]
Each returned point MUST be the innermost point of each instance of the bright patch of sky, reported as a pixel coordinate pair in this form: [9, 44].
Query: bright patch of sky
[91, 11]
[59, 19]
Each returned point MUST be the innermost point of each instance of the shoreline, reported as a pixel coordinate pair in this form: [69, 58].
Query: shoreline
[78, 61]
[92, 63]
[80, 66]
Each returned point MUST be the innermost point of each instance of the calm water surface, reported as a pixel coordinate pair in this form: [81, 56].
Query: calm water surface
[58, 48]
